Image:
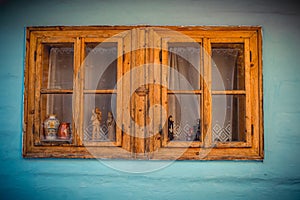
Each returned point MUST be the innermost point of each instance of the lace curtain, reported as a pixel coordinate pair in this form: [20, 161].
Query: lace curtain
[184, 74]
[100, 68]
[226, 109]
[224, 77]
[60, 76]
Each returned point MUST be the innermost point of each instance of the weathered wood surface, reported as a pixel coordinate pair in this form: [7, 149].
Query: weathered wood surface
[139, 46]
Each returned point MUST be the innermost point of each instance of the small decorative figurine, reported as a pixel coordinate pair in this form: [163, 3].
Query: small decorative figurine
[110, 123]
[197, 129]
[99, 114]
[170, 128]
[51, 126]
[64, 131]
[189, 134]
[96, 121]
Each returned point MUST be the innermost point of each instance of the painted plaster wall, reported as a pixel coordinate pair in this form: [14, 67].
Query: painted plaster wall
[277, 177]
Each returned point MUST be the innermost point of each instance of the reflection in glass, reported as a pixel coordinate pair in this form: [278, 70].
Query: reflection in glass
[184, 110]
[228, 70]
[228, 118]
[101, 66]
[185, 59]
[57, 62]
[99, 122]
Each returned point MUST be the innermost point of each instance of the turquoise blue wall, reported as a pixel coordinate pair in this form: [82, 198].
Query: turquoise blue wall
[277, 177]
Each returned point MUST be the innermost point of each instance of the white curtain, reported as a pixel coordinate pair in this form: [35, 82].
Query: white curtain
[60, 76]
[184, 74]
[224, 72]
[100, 67]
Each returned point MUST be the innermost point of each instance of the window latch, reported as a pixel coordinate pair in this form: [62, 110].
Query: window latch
[34, 56]
[160, 56]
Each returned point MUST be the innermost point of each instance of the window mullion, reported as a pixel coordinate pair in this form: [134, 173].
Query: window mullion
[247, 88]
[126, 85]
[119, 116]
[164, 82]
[207, 98]
[78, 91]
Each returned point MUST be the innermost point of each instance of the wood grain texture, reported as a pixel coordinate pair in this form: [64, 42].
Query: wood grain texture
[137, 46]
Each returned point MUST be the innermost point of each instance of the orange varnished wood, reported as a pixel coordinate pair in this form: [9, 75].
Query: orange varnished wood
[139, 45]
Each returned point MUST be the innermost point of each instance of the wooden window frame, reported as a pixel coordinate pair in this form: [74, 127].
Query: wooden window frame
[156, 38]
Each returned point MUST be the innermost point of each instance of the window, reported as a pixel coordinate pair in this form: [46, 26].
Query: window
[188, 93]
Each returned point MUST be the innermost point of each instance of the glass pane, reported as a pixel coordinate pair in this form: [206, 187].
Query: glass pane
[101, 66]
[99, 113]
[228, 118]
[228, 70]
[57, 62]
[184, 63]
[59, 105]
[184, 117]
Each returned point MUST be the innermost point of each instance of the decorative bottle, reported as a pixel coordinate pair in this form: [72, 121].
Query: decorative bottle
[51, 126]
[170, 128]
[64, 131]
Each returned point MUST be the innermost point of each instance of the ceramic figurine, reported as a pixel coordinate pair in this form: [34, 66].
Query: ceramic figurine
[110, 123]
[170, 128]
[99, 114]
[189, 134]
[64, 131]
[197, 129]
[96, 121]
[51, 126]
